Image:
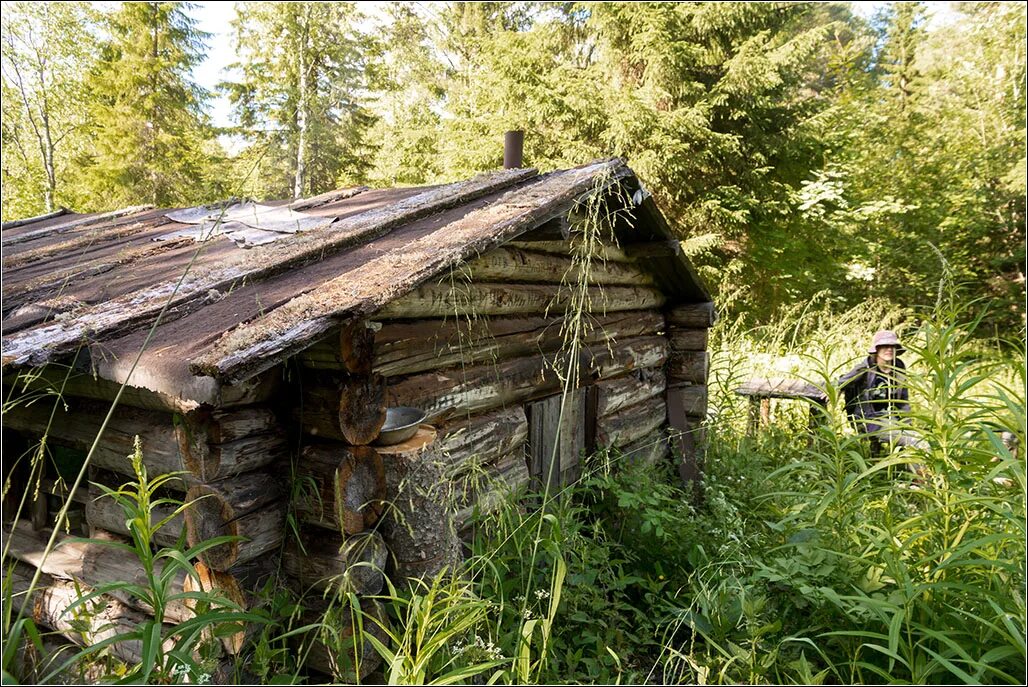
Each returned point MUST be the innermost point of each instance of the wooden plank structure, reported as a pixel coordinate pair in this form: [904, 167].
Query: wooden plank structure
[268, 370]
[760, 391]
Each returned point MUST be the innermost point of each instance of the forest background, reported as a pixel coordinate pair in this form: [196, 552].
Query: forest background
[801, 151]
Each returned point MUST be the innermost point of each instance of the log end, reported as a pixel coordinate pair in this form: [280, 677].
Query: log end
[362, 409]
[193, 448]
[225, 584]
[357, 347]
[361, 486]
[336, 657]
[426, 434]
[208, 516]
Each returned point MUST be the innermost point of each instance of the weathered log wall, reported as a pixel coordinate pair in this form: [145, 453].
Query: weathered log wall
[487, 359]
[201, 446]
[74, 568]
[688, 367]
[229, 465]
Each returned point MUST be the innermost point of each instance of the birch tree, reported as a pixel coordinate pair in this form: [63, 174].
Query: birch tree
[47, 48]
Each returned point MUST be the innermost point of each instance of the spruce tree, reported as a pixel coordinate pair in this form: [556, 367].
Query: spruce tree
[153, 141]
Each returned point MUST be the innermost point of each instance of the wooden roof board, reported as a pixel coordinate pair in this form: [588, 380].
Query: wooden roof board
[19, 227]
[191, 289]
[255, 306]
[111, 261]
[164, 366]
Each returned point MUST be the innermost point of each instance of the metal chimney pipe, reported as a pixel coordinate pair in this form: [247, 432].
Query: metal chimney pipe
[513, 149]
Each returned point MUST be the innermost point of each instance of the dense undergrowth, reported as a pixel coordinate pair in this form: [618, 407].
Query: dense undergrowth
[804, 560]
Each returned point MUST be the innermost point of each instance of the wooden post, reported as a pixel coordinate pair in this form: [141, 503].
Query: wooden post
[682, 437]
[687, 371]
[753, 422]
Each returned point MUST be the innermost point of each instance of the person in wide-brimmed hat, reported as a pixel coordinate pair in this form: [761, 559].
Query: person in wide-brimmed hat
[876, 392]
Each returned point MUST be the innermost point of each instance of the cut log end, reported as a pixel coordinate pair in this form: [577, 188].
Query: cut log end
[225, 584]
[347, 487]
[425, 435]
[362, 410]
[249, 506]
[210, 515]
[361, 475]
[357, 347]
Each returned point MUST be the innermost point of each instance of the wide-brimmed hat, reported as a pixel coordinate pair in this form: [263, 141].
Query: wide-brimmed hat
[885, 337]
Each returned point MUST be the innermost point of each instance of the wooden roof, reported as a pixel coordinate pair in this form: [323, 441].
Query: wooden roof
[90, 287]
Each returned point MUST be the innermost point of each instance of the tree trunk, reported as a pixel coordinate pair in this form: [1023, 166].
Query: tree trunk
[362, 410]
[418, 525]
[169, 444]
[357, 347]
[209, 462]
[687, 339]
[486, 489]
[226, 585]
[650, 449]
[303, 108]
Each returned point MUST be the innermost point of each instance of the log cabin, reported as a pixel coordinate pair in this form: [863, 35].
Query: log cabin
[255, 348]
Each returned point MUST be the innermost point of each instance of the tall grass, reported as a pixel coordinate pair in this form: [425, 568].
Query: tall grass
[808, 560]
[853, 569]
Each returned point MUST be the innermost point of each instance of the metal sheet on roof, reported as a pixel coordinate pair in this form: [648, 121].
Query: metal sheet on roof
[248, 224]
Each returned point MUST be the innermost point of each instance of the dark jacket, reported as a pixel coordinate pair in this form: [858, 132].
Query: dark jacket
[870, 395]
